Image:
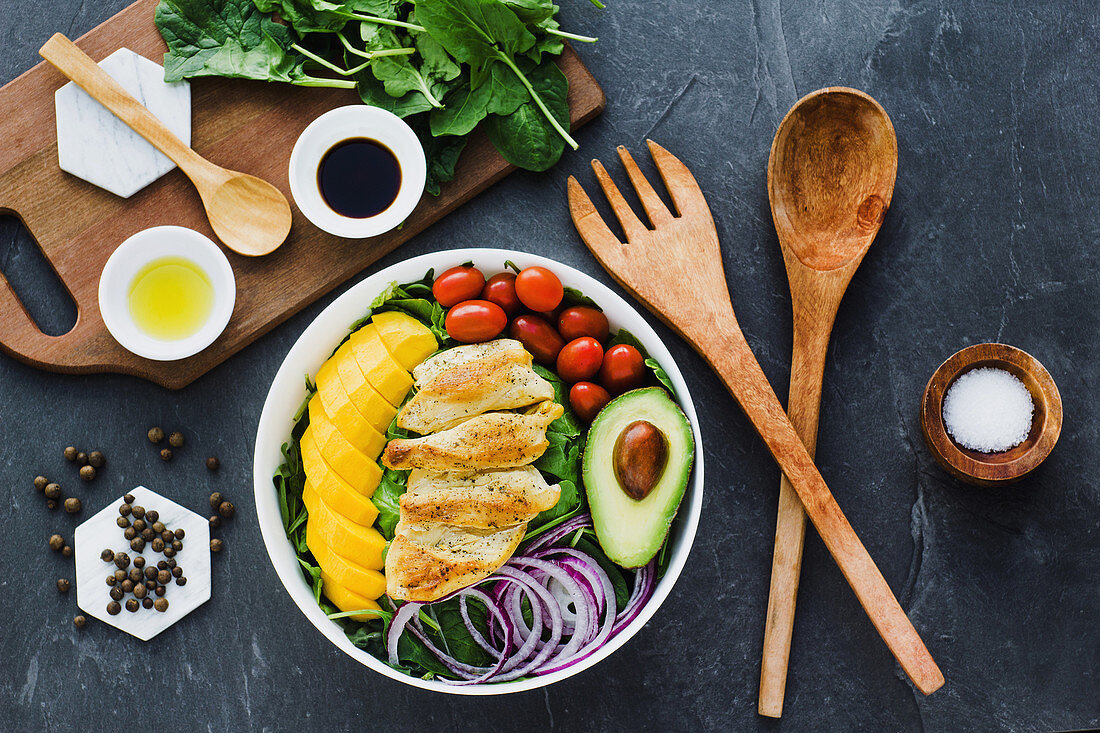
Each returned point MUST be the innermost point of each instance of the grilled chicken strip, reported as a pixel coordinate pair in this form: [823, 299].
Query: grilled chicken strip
[479, 500]
[431, 368]
[491, 440]
[426, 562]
[499, 381]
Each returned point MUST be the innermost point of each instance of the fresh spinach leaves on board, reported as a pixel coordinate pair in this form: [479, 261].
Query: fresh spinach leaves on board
[445, 65]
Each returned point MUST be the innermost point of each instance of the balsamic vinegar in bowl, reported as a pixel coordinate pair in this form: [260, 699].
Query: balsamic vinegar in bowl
[359, 178]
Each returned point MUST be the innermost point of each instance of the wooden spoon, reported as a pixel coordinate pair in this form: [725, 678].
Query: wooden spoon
[830, 179]
[247, 213]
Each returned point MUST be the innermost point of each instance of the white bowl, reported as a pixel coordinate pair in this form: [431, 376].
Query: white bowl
[315, 345]
[343, 123]
[138, 251]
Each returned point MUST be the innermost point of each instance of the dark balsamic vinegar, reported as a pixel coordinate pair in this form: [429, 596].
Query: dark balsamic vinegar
[359, 177]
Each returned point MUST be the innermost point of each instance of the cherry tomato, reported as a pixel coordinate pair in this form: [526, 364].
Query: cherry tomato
[587, 399]
[623, 369]
[537, 336]
[458, 284]
[580, 359]
[473, 321]
[539, 289]
[501, 289]
[583, 320]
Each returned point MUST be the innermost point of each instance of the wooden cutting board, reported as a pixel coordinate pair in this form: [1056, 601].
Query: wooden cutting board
[243, 125]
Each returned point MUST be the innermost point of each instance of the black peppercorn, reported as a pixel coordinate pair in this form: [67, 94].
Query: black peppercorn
[177, 546]
[158, 527]
[167, 537]
[213, 463]
[226, 509]
[150, 572]
[163, 577]
[138, 510]
[120, 575]
[63, 585]
[171, 563]
[181, 580]
[177, 571]
[139, 524]
[216, 500]
[169, 552]
[215, 522]
[157, 545]
[107, 555]
[40, 483]
[216, 545]
[70, 453]
[51, 505]
[114, 608]
[139, 562]
[128, 498]
[127, 586]
[122, 560]
[176, 439]
[137, 544]
[82, 458]
[134, 574]
[150, 584]
[87, 473]
[67, 551]
[140, 590]
[72, 505]
[52, 491]
[122, 522]
[116, 593]
[179, 534]
[155, 435]
[132, 605]
[166, 454]
[148, 534]
[160, 590]
[125, 509]
[152, 516]
[146, 602]
[162, 565]
[79, 621]
[56, 542]
[111, 581]
[161, 604]
[130, 533]
[97, 459]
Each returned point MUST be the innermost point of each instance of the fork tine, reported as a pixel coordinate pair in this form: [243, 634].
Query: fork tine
[654, 208]
[632, 226]
[679, 181]
[593, 230]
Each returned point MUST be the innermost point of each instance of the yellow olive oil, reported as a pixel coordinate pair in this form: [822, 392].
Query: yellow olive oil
[171, 298]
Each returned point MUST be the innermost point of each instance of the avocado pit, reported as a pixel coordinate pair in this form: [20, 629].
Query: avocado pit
[640, 457]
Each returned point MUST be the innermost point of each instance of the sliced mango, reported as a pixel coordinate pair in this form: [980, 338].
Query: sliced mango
[345, 573]
[347, 461]
[346, 600]
[367, 440]
[408, 340]
[335, 492]
[372, 408]
[376, 364]
[355, 541]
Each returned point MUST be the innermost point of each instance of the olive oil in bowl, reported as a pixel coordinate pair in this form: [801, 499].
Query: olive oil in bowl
[171, 298]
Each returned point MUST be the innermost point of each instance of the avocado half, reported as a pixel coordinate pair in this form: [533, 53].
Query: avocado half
[630, 530]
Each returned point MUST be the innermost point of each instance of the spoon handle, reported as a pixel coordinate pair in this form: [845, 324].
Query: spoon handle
[77, 66]
[725, 349]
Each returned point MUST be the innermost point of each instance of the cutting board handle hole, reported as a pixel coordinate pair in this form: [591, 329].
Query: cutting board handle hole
[33, 279]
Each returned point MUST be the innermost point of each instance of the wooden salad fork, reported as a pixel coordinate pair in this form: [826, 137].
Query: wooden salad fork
[676, 270]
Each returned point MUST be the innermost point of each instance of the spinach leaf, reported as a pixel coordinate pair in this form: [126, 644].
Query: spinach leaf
[500, 93]
[527, 137]
[386, 498]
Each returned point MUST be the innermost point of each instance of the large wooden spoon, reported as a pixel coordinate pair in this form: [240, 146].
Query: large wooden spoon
[830, 179]
[247, 213]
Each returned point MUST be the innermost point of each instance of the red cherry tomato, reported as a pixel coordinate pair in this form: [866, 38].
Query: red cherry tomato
[474, 321]
[580, 359]
[539, 289]
[623, 369]
[458, 284]
[587, 399]
[537, 336]
[501, 289]
[583, 320]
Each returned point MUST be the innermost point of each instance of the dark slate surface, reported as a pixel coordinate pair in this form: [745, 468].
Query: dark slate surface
[992, 236]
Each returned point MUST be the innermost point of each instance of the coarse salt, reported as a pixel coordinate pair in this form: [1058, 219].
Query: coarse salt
[988, 410]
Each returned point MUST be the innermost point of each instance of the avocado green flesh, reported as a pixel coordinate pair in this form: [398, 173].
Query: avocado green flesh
[632, 531]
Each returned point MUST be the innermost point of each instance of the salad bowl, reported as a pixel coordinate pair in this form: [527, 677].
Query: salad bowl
[315, 345]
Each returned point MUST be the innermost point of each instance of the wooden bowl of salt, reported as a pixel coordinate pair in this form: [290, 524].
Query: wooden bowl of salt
[991, 414]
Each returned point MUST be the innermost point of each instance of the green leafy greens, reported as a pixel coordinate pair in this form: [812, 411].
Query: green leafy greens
[446, 65]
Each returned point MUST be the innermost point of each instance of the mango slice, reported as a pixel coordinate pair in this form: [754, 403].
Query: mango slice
[335, 492]
[349, 463]
[345, 573]
[367, 441]
[346, 600]
[355, 541]
[345, 414]
[408, 340]
[376, 364]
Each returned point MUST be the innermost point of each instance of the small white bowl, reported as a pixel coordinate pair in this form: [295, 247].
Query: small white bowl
[344, 123]
[138, 251]
[316, 344]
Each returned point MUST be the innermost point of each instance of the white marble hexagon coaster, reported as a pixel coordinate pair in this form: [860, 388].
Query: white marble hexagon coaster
[95, 145]
[102, 531]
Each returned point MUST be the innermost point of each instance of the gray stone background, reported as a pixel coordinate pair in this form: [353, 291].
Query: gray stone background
[992, 236]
